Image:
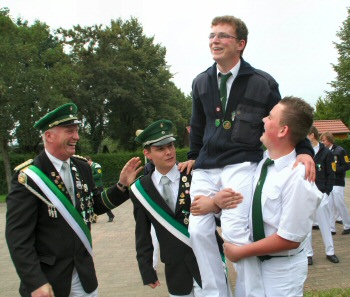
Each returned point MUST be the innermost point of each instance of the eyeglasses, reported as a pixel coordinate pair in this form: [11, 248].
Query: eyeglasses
[221, 36]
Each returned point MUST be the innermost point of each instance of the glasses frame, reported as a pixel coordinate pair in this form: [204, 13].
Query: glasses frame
[221, 35]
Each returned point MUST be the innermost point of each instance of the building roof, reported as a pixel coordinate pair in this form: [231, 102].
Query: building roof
[332, 126]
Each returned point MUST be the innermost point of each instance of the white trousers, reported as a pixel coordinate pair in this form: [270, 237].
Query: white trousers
[77, 289]
[323, 219]
[235, 229]
[337, 201]
[284, 276]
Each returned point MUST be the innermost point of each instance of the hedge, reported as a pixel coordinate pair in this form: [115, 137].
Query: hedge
[111, 164]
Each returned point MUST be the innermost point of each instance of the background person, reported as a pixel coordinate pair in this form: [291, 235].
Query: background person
[342, 164]
[324, 182]
[50, 207]
[97, 174]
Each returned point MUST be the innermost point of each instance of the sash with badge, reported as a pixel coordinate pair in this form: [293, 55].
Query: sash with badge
[56, 200]
[172, 225]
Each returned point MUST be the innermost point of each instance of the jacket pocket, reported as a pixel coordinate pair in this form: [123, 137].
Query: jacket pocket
[247, 125]
[49, 260]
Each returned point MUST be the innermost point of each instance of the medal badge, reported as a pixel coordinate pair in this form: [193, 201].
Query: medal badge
[233, 115]
[318, 167]
[186, 219]
[79, 186]
[226, 125]
[22, 178]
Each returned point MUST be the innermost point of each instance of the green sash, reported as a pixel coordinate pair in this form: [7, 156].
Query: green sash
[167, 221]
[59, 200]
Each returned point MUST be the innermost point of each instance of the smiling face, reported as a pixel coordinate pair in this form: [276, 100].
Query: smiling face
[225, 51]
[163, 157]
[61, 141]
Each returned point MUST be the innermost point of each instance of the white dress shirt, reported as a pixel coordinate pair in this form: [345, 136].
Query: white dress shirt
[288, 201]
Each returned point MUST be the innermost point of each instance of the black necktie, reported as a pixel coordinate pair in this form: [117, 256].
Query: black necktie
[223, 89]
[257, 217]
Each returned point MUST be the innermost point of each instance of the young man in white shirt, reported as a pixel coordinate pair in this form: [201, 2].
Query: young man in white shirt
[286, 200]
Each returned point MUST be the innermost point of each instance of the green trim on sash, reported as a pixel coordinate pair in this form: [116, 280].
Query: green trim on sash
[179, 227]
[106, 200]
[71, 209]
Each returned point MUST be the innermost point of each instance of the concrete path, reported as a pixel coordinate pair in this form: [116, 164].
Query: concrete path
[118, 271]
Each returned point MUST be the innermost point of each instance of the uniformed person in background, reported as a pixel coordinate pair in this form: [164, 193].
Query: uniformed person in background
[324, 182]
[341, 164]
[50, 207]
[97, 174]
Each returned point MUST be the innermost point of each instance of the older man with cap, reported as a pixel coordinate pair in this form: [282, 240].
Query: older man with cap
[50, 208]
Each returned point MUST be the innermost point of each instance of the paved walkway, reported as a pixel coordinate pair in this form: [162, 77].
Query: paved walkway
[118, 271]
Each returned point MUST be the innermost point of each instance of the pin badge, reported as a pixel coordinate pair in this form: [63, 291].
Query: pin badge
[22, 178]
[217, 122]
[233, 115]
[226, 125]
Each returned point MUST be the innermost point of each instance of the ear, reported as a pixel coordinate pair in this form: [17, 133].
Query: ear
[49, 135]
[283, 132]
[241, 44]
[147, 154]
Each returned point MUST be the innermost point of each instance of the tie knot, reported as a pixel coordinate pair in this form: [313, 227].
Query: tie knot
[65, 165]
[165, 180]
[224, 77]
[268, 162]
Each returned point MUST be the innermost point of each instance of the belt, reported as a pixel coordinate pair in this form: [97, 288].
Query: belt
[268, 257]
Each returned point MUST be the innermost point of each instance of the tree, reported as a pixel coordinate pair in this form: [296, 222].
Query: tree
[32, 66]
[336, 105]
[124, 81]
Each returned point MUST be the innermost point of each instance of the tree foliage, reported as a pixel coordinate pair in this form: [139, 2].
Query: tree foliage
[32, 63]
[124, 81]
[336, 105]
[116, 75]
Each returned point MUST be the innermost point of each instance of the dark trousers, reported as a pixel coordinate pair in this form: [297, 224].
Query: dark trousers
[110, 214]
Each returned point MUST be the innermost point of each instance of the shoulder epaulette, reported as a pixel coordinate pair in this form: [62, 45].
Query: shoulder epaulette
[23, 165]
[80, 158]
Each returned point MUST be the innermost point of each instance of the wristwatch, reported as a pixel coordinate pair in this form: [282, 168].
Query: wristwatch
[124, 187]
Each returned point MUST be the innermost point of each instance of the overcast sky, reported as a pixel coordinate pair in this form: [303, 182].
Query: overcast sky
[291, 40]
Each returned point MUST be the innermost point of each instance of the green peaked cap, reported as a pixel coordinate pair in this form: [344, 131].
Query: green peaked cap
[157, 134]
[63, 115]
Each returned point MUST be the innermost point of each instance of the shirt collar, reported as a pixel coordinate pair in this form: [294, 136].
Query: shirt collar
[283, 161]
[316, 148]
[57, 163]
[234, 70]
[173, 174]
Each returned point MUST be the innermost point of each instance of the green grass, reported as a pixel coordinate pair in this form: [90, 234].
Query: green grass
[330, 293]
[2, 198]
